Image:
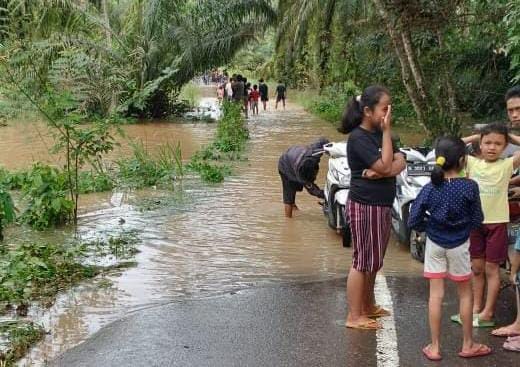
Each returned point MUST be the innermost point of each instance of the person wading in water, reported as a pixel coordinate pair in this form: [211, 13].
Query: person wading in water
[298, 168]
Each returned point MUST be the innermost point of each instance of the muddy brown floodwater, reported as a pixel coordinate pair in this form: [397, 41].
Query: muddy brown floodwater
[204, 240]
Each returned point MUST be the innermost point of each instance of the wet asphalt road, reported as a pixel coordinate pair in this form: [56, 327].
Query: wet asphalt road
[285, 325]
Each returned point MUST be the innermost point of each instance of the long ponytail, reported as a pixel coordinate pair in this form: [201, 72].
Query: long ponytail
[353, 114]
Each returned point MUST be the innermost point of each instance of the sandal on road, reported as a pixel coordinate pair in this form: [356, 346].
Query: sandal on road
[477, 321]
[366, 325]
[481, 351]
[427, 351]
[504, 332]
[379, 312]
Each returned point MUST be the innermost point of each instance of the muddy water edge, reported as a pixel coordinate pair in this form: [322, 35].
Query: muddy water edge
[197, 240]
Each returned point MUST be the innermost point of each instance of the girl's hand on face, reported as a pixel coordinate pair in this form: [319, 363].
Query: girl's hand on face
[385, 124]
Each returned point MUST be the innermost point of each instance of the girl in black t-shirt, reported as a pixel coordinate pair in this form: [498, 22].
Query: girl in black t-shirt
[374, 164]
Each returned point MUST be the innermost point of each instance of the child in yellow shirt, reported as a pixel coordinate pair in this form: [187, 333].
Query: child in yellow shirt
[489, 243]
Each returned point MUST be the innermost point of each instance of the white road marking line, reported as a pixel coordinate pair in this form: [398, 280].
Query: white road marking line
[386, 353]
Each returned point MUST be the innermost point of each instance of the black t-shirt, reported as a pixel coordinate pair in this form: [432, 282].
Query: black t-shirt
[262, 88]
[280, 90]
[363, 150]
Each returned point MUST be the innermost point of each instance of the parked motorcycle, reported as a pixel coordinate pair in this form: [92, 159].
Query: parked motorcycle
[336, 190]
[419, 165]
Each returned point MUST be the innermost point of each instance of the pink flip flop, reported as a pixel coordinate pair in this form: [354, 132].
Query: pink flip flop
[429, 354]
[481, 351]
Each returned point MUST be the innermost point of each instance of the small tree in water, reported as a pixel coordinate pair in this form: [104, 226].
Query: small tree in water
[77, 142]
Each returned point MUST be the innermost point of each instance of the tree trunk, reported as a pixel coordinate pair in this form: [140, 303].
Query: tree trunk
[325, 40]
[108, 34]
[415, 96]
[412, 61]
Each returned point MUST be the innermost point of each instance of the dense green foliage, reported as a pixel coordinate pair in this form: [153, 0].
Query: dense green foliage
[46, 190]
[128, 56]
[444, 61]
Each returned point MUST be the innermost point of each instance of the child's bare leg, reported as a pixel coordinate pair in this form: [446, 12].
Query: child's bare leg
[466, 313]
[479, 282]
[435, 313]
[493, 288]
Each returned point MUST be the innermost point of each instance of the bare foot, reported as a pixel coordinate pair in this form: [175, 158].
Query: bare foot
[509, 330]
[363, 323]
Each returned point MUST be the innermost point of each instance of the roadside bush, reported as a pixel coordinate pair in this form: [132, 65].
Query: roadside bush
[46, 189]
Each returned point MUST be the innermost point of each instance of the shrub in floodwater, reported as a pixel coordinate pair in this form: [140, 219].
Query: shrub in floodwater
[17, 336]
[229, 141]
[143, 169]
[30, 271]
[212, 173]
[46, 188]
[12, 180]
[94, 182]
[7, 210]
[231, 131]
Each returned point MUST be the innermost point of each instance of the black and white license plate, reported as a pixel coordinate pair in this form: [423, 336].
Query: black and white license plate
[420, 169]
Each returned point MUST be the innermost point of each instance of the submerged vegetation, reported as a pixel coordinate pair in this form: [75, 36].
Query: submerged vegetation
[210, 162]
[35, 272]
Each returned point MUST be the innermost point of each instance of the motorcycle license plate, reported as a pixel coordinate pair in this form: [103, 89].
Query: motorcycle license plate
[420, 169]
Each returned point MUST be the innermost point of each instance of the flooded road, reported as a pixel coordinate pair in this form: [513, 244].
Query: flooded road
[206, 240]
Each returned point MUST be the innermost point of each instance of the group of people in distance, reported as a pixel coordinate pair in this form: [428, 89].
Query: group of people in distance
[238, 89]
[464, 212]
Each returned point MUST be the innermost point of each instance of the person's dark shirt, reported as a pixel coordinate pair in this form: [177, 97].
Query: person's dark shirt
[262, 88]
[447, 212]
[363, 150]
[238, 91]
[280, 90]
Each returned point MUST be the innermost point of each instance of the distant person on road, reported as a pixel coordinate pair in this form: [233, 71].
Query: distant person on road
[228, 90]
[374, 162]
[254, 96]
[220, 93]
[298, 168]
[281, 94]
[238, 89]
[264, 93]
[247, 90]
[448, 209]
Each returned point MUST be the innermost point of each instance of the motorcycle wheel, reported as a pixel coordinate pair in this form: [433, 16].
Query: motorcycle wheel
[331, 216]
[400, 228]
[347, 237]
[417, 245]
